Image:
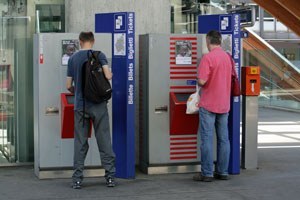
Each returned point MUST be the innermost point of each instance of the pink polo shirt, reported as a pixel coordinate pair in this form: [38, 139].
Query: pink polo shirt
[215, 68]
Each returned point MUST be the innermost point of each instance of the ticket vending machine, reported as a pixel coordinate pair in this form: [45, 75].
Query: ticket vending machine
[169, 142]
[53, 106]
[168, 136]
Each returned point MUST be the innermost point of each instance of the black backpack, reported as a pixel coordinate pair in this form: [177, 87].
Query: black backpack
[95, 86]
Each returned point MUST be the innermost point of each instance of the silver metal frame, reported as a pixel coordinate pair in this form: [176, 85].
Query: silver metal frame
[249, 132]
[173, 169]
[53, 174]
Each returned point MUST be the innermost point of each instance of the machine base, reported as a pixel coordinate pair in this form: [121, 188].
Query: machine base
[67, 173]
[171, 169]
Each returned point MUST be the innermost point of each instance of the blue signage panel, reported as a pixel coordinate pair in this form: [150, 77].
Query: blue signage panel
[130, 150]
[225, 23]
[228, 24]
[222, 23]
[191, 82]
[120, 22]
[244, 34]
[122, 27]
[234, 116]
[207, 23]
[104, 23]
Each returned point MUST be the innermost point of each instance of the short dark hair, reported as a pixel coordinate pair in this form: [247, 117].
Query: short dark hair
[214, 37]
[86, 36]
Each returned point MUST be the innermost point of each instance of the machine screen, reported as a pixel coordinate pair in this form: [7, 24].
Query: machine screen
[182, 97]
[70, 99]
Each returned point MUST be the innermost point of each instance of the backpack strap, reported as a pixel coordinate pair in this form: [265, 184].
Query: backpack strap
[83, 72]
[96, 56]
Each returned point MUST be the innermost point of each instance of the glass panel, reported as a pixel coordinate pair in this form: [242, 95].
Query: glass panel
[16, 73]
[269, 22]
[280, 26]
[51, 18]
[184, 13]
[15, 56]
[7, 133]
[12, 30]
[280, 78]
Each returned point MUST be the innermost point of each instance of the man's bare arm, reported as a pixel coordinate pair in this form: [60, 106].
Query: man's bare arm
[107, 72]
[201, 82]
[69, 84]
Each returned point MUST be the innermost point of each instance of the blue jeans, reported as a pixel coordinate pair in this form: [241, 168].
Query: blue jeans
[209, 122]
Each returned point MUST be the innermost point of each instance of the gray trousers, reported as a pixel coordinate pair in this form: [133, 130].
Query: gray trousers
[98, 113]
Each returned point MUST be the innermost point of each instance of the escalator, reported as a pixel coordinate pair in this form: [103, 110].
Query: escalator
[286, 11]
[280, 79]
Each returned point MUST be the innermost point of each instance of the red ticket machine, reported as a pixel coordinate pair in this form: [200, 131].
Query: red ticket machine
[67, 116]
[180, 122]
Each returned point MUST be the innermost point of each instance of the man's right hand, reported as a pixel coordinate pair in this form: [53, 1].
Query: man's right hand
[71, 89]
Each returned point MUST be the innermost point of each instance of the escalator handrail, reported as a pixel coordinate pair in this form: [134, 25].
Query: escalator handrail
[284, 90]
[281, 57]
[272, 49]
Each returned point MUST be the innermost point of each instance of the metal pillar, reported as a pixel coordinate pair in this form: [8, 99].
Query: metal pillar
[249, 131]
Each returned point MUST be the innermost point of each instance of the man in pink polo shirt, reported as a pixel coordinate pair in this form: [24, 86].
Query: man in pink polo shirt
[214, 77]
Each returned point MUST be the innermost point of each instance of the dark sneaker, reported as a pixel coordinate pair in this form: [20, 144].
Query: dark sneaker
[221, 177]
[110, 182]
[76, 185]
[199, 177]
